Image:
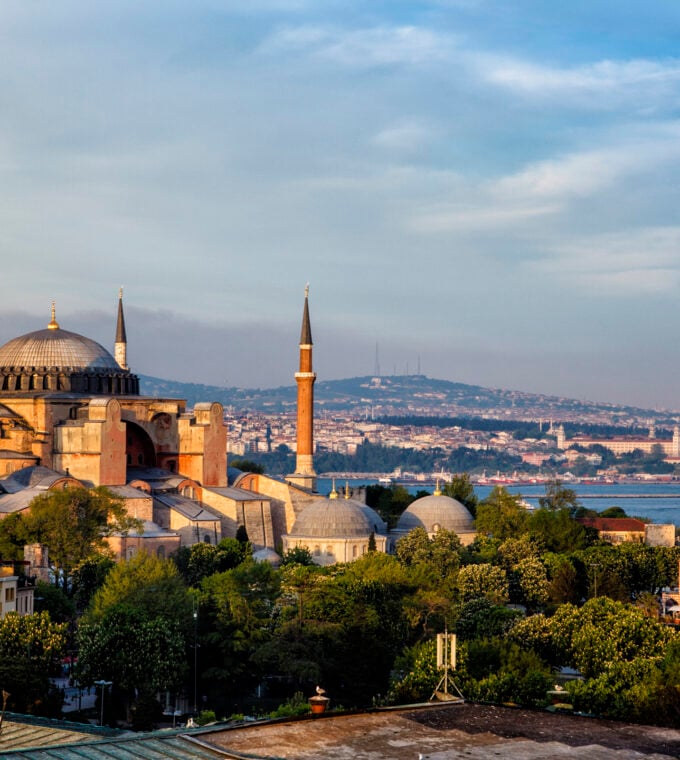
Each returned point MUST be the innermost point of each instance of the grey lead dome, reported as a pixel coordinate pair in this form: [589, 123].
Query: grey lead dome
[436, 512]
[337, 518]
[56, 348]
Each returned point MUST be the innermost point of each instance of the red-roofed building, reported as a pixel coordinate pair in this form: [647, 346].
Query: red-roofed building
[616, 530]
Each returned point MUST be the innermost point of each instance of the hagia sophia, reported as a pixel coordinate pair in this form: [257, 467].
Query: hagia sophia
[71, 414]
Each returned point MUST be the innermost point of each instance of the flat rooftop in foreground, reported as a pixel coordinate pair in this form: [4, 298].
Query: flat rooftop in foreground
[451, 732]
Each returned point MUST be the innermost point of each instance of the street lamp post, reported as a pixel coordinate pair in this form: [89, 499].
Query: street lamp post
[103, 685]
[195, 611]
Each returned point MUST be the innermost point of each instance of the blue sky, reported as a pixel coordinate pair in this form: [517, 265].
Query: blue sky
[487, 188]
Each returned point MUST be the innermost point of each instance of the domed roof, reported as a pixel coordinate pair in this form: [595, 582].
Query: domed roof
[436, 512]
[337, 518]
[267, 555]
[54, 347]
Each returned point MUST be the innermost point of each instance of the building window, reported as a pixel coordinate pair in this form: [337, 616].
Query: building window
[9, 594]
[160, 552]
[317, 551]
[355, 551]
[206, 538]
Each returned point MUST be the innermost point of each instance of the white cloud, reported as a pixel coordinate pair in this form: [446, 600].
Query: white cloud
[377, 46]
[600, 84]
[631, 262]
[405, 136]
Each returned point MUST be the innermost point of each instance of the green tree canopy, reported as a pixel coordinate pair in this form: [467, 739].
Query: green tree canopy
[501, 515]
[136, 652]
[31, 646]
[148, 584]
[73, 523]
[460, 488]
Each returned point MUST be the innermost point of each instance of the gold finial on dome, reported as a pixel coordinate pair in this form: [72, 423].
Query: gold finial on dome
[437, 490]
[346, 490]
[333, 494]
[53, 325]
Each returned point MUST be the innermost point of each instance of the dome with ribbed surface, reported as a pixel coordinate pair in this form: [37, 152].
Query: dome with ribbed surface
[55, 347]
[436, 512]
[337, 518]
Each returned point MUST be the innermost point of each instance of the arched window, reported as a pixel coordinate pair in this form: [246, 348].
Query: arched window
[206, 538]
[355, 551]
[317, 551]
[160, 552]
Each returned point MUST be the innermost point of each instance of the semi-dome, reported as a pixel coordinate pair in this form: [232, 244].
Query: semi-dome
[436, 512]
[337, 518]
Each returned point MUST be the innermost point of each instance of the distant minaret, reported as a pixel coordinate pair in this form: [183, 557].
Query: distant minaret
[304, 464]
[120, 348]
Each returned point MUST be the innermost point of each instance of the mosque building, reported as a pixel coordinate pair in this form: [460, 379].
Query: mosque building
[71, 414]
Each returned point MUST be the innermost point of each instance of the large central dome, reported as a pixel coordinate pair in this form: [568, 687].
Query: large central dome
[54, 347]
[56, 360]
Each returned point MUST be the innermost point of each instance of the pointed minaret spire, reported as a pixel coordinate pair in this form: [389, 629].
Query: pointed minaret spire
[120, 349]
[304, 462]
[306, 332]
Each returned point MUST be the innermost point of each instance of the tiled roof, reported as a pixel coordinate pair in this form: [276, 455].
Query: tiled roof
[613, 524]
[130, 747]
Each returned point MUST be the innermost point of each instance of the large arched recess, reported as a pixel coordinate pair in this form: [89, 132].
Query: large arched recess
[139, 447]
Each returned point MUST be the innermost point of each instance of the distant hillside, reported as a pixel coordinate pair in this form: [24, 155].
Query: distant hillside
[407, 394]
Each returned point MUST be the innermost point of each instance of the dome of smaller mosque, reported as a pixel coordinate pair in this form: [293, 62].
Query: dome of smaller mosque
[267, 555]
[337, 518]
[436, 512]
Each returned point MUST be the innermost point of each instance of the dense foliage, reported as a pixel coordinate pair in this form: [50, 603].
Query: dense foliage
[533, 592]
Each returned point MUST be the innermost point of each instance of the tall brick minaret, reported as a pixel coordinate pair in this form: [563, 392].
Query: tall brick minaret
[120, 348]
[304, 474]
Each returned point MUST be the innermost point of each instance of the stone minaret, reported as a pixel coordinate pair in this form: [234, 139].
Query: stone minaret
[304, 464]
[120, 348]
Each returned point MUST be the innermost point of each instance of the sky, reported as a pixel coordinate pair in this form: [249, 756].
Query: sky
[485, 191]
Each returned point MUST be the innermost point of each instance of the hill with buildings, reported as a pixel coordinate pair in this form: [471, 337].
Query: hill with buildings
[401, 395]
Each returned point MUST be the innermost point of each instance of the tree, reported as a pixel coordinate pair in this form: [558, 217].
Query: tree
[460, 488]
[146, 583]
[246, 465]
[236, 609]
[556, 531]
[388, 501]
[31, 646]
[488, 581]
[298, 555]
[441, 553]
[139, 653]
[51, 599]
[73, 523]
[88, 577]
[557, 496]
[502, 515]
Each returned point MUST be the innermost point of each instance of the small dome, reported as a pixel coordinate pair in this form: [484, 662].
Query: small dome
[267, 555]
[337, 518]
[436, 512]
[55, 347]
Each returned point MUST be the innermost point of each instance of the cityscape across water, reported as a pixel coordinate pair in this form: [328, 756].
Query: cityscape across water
[658, 502]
